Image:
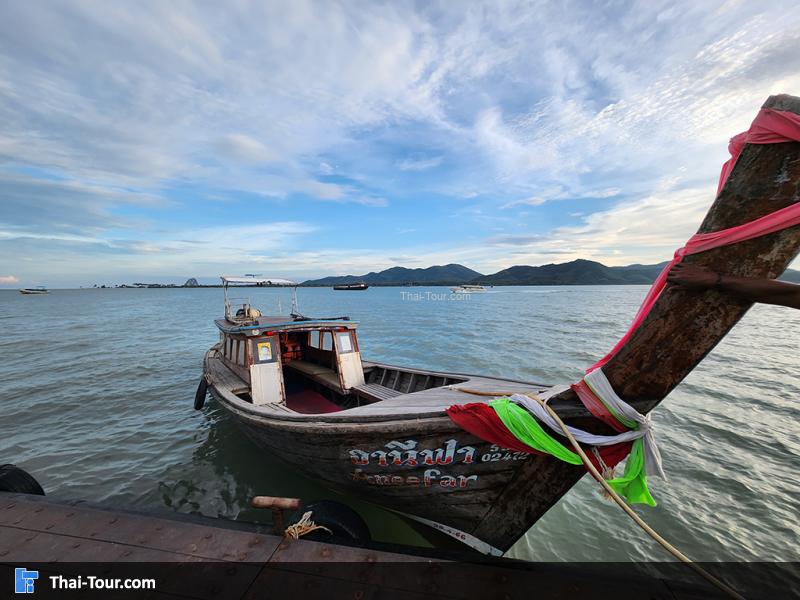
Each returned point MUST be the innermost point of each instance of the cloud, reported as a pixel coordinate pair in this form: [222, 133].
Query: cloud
[67, 206]
[419, 164]
[204, 252]
[239, 146]
[559, 193]
[532, 201]
[8, 280]
[645, 230]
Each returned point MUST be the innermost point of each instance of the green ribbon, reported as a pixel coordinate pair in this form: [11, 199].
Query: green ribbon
[632, 485]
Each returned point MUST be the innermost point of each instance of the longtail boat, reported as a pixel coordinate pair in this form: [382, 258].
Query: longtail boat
[299, 388]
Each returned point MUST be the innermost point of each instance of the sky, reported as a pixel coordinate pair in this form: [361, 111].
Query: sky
[157, 141]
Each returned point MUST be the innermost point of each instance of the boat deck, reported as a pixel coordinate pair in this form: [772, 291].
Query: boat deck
[388, 402]
[241, 560]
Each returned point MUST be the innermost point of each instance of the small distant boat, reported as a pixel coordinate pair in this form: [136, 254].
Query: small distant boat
[351, 286]
[467, 289]
[37, 290]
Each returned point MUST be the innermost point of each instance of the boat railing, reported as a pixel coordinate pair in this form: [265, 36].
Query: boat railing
[239, 310]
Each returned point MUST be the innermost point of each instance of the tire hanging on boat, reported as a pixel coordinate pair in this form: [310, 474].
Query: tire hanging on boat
[14, 479]
[200, 394]
[342, 520]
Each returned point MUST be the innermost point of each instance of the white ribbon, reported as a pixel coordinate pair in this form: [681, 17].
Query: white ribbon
[579, 434]
[602, 388]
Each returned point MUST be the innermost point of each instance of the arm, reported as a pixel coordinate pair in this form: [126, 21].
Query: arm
[767, 291]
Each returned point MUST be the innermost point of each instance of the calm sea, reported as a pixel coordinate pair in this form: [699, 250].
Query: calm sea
[97, 390]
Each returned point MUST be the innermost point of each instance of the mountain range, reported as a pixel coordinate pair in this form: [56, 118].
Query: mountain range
[576, 272]
[437, 275]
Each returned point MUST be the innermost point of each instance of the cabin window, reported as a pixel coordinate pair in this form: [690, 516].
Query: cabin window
[227, 352]
[313, 339]
[240, 352]
[344, 342]
[327, 341]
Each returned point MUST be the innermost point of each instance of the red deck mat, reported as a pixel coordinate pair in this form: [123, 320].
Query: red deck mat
[309, 402]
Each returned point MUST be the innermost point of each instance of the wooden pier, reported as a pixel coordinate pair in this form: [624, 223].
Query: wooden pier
[198, 557]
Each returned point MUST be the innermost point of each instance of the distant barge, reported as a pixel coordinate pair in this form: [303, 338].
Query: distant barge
[352, 287]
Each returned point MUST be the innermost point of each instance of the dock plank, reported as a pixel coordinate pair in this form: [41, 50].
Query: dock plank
[202, 558]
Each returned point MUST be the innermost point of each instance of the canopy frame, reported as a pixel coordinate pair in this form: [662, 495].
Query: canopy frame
[252, 280]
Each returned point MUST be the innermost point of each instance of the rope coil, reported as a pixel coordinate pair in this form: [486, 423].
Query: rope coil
[303, 527]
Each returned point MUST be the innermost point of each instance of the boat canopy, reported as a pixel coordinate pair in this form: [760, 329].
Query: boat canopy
[227, 280]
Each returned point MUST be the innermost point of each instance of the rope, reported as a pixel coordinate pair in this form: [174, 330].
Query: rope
[303, 527]
[637, 519]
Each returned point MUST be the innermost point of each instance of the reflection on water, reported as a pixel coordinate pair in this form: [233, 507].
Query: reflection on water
[98, 388]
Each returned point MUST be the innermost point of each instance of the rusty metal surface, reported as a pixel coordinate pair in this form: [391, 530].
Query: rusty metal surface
[123, 536]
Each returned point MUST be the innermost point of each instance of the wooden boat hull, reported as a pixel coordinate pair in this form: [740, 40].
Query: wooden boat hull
[425, 468]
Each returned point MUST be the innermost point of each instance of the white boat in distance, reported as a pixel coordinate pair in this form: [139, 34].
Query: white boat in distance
[467, 289]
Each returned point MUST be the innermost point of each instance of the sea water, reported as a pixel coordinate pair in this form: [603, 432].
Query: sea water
[97, 390]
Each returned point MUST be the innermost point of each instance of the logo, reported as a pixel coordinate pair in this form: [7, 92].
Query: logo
[24, 580]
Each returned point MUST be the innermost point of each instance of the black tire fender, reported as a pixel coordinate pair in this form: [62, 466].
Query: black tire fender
[14, 479]
[200, 394]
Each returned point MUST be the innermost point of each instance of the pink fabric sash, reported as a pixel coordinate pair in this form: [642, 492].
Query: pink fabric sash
[769, 127]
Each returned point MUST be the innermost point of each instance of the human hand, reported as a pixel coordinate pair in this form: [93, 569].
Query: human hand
[685, 276]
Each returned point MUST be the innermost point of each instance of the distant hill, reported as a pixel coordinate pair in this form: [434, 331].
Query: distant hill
[437, 275]
[576, 272]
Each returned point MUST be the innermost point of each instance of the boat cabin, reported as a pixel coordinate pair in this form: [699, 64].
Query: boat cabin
[310, 366]
[303, 363]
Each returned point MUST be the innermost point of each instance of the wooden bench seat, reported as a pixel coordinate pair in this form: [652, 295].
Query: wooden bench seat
[375, 392]
[327, 377]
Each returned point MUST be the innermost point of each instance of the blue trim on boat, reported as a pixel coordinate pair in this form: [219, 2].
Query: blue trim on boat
[294, 324]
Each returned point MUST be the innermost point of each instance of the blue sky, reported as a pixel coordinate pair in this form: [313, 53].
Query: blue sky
[156, 141]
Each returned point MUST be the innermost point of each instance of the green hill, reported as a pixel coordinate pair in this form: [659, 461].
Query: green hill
[576, 272]
[451, 274]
